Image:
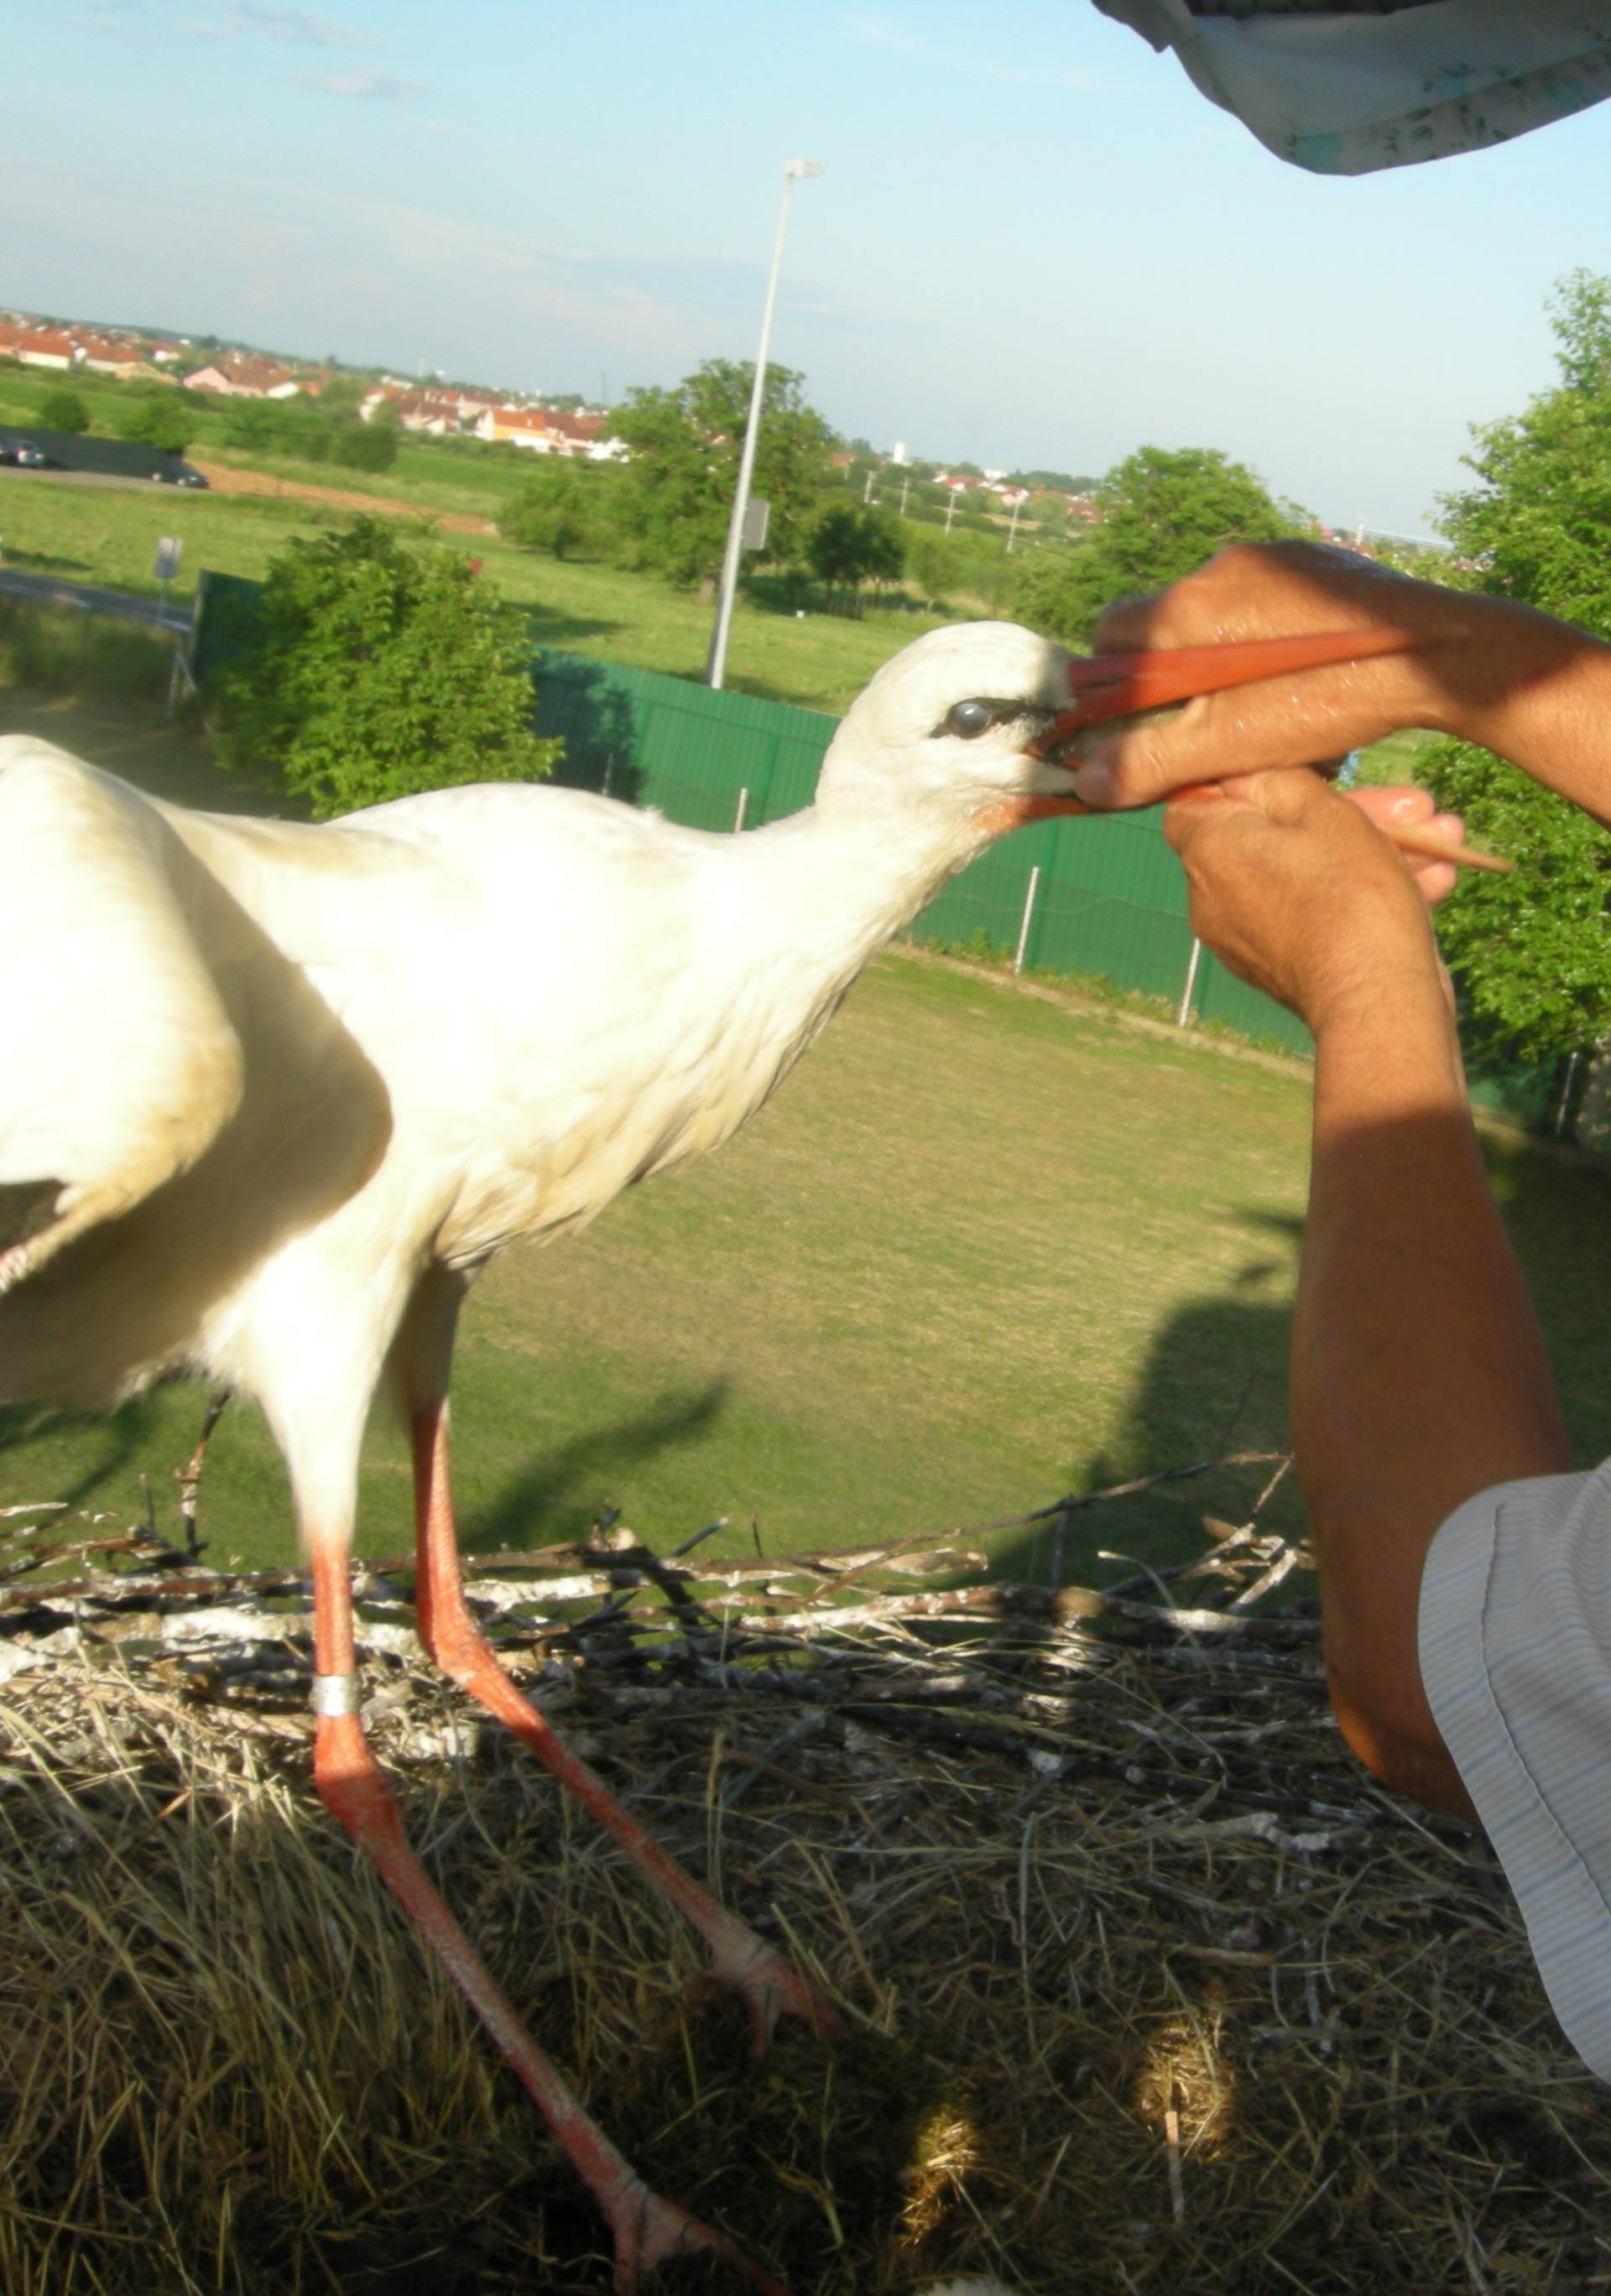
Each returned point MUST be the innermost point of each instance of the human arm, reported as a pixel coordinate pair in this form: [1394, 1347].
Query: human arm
[1533, 690]
[1419, 1376]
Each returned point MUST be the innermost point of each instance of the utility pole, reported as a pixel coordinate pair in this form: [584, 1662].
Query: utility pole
[794, 171]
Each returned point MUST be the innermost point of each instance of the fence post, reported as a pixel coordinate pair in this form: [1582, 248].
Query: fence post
[741, 810]
[1566, 1098]
[1184, 1015]
[180, 672]
[1029, 894]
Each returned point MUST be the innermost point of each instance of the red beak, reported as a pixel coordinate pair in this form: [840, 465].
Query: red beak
[1120, 684]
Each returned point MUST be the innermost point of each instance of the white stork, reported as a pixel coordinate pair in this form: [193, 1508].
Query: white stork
[272, 1094]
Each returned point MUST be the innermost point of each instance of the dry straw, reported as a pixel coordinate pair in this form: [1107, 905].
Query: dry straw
[1151, 1989]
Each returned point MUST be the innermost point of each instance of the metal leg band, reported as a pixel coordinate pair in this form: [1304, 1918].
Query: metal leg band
[335, 1694]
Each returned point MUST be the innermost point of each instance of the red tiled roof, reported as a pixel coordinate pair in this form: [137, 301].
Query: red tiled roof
[45, 340]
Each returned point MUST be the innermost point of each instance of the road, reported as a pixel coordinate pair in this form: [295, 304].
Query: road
[95, 598]
[10, 475]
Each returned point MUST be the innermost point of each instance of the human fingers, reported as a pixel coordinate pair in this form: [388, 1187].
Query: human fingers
[1296, 890]
[1273, 589]
[1263, 591]
[1405, 806]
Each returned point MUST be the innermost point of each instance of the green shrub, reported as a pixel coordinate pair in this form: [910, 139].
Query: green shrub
[564, 510]
[64, 410]
[161, 417]
[381, 666]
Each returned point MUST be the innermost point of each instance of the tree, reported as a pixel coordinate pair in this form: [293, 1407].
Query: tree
[1161, 511]
[1533, 952]
[360, 446]
[159, 418]
[560, 508]
[64, 410]
[277, 426]
[685, 444]
[848, 546]
[381, 667]
[946, 567]
[1062, 483]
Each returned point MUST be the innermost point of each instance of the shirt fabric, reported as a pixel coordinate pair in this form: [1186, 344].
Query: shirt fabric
[1346, 86]
[1514, 1630]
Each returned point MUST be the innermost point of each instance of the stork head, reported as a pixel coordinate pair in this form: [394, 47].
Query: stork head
[979, 727]
[950, 727]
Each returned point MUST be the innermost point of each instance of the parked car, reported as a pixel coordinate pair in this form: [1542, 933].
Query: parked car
[26, 457]
[182, 476]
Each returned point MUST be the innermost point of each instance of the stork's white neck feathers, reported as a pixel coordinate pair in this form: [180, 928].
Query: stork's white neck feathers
[552, 994]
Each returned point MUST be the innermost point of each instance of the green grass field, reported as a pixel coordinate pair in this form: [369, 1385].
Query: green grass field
[984, 1249]
[104, 534]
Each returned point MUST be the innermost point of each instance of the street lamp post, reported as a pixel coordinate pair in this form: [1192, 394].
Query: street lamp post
[794, 171]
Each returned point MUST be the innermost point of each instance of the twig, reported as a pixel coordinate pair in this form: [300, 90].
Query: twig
[189, 1476]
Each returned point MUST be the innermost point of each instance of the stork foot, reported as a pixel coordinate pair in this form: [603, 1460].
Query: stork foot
[769, 1986]
[649, 2231]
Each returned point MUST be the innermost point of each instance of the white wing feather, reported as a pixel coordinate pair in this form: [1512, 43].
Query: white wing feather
[117, 1060]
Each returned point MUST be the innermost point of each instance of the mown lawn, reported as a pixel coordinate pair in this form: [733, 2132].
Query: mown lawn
[982, 1249]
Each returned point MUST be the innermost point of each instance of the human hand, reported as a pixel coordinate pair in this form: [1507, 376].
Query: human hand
[1475, 655]
[1298, 891]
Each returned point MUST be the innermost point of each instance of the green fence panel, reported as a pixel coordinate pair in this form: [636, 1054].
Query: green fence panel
[1108, 901]
[225, 615]
[1221, 1000]
[1114, 905]
[665, 741]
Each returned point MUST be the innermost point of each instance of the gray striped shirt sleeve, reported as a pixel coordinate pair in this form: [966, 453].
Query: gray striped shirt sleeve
[1515, 1656]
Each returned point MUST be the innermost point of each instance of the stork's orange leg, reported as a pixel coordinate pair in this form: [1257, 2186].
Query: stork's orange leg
[771, 1988]
[647, 2230]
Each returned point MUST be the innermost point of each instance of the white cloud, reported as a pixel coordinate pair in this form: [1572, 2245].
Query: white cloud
[368, 86]
[294, 24]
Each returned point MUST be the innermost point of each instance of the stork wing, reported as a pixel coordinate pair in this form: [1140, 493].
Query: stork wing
[117, 1060]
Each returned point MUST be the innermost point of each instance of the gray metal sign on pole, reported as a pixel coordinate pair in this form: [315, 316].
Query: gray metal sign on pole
[170, 550]
[756, 513]
[794, 171]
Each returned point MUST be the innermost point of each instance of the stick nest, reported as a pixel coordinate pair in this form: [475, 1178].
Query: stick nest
[1150, 1987]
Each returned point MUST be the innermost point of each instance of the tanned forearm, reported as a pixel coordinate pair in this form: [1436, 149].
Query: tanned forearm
[1418, 1372]
[1541, 698]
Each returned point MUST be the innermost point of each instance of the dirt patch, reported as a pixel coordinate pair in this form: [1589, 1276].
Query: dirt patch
[224, 479]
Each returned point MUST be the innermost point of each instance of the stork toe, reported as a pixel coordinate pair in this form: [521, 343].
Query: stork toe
[770, 1988]
[649, 2231]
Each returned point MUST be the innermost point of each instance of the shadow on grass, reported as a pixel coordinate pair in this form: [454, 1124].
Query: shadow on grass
[790, 595]
[111, 1450]
[560, 1494]
[1214, 1380]
[1214, 1383]
[129, 736]
[44, 561]
[549, 625]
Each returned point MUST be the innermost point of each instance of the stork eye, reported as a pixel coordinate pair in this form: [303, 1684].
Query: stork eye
[969, 719]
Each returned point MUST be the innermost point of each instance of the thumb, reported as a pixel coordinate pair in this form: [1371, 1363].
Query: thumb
[1137, 766]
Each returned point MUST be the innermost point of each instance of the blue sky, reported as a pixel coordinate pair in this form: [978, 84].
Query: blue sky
[1034, 243]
